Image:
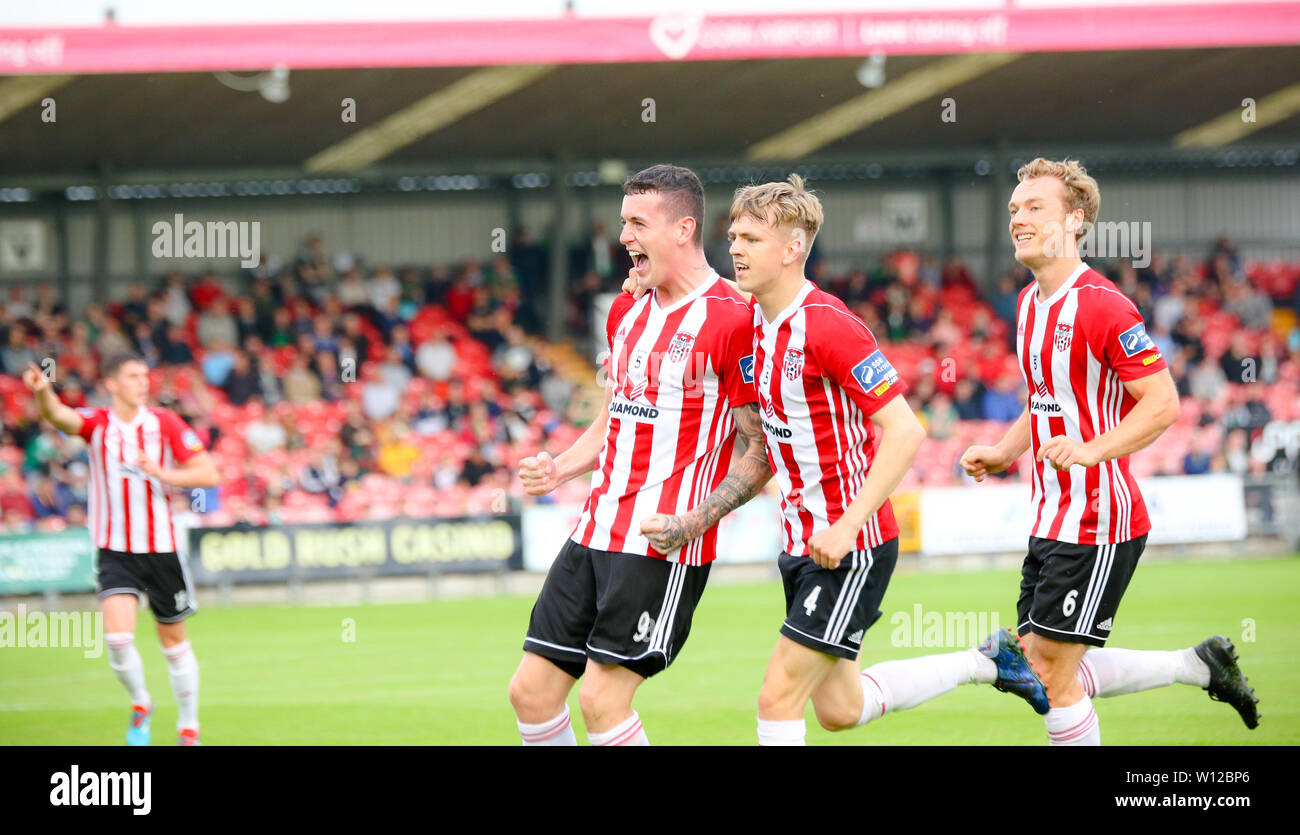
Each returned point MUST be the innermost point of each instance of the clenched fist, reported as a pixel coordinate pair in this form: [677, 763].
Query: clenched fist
[630, 285]
[979, 461]
[539, 474]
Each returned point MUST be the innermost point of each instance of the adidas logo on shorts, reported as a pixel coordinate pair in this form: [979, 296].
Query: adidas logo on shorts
[856, 637]
[1105, 624]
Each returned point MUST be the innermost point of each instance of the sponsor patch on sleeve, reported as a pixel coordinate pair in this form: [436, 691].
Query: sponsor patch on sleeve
[747, 369]
[191, 441]
[1135, 340]
[1151, 359]
[875, 374]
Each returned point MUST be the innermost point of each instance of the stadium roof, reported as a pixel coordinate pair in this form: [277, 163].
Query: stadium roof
[691, 89]
[716, 110]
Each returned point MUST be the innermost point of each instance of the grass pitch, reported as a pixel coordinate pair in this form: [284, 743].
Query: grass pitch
[436, 673]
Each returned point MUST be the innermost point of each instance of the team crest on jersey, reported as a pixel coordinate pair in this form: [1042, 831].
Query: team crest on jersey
[680, 346]
[1064, 336]
[1135, 340]
[793, 364]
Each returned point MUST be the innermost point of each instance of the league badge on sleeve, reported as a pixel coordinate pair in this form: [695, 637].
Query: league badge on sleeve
[1135, 340]
[191, 441]
[875, 374]
[747, 369]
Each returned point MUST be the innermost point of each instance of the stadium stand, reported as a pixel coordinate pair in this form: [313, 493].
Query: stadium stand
[373, 392]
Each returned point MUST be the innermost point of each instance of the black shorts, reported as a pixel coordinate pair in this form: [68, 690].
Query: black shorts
[830, 611]
[1071, 592]
[626, 609]
[163, 577]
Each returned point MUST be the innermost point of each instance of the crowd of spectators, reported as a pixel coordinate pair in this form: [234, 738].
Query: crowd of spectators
[330, 389]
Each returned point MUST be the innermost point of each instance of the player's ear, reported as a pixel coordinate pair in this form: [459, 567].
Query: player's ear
[795, 248]
[687, 229]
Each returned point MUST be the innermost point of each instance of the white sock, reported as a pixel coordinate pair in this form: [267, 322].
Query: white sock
[627, 732]
[786, 733]
[124, 658]
[899, 685]
[183, 670]
[1073, 725]
[1191, 669]
[552, 733]
[1114, 672]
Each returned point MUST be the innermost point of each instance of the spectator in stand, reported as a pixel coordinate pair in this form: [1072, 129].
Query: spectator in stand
[13, 495]
[244, 381]
[321, 476]
[16, 353]
[382, 289]
[379, 400]
[1206, 382]
[401, 343]
[112, 340]
[352, 291]
[264, 434]
[1006, 300]
[176, 351]
[1239, 363]
[145, 345]
[216, 325]
[1005, 400]
[1252, 308]
[941, 417]
[218, 362]
[389, 317]
[176, 302]
[956, 274]
[300, 384]
[50, 498]
[476, 467]
[436, 358]
[397, 455]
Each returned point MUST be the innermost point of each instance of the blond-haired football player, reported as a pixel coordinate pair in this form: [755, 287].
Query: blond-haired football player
[1099, 391]
[825, 391]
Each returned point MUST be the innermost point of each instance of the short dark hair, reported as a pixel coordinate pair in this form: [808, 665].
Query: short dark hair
[680, 188]
[114, 364]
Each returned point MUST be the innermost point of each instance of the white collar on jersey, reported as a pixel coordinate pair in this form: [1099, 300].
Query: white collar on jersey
[655, 309]
[1065, 286]
[790, 308]
[139, 416]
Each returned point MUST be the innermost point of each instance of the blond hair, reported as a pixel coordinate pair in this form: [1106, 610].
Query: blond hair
[786, 203]
[1081, 190]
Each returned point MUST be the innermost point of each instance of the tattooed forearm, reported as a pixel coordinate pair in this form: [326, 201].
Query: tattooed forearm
[746, 479]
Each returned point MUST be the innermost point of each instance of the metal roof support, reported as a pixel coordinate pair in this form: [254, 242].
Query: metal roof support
[562, 192]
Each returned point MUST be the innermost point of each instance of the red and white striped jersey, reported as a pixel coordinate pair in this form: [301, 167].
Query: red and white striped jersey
[1077, 349]
[129, 510]
[820, 378]
[677, 372]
